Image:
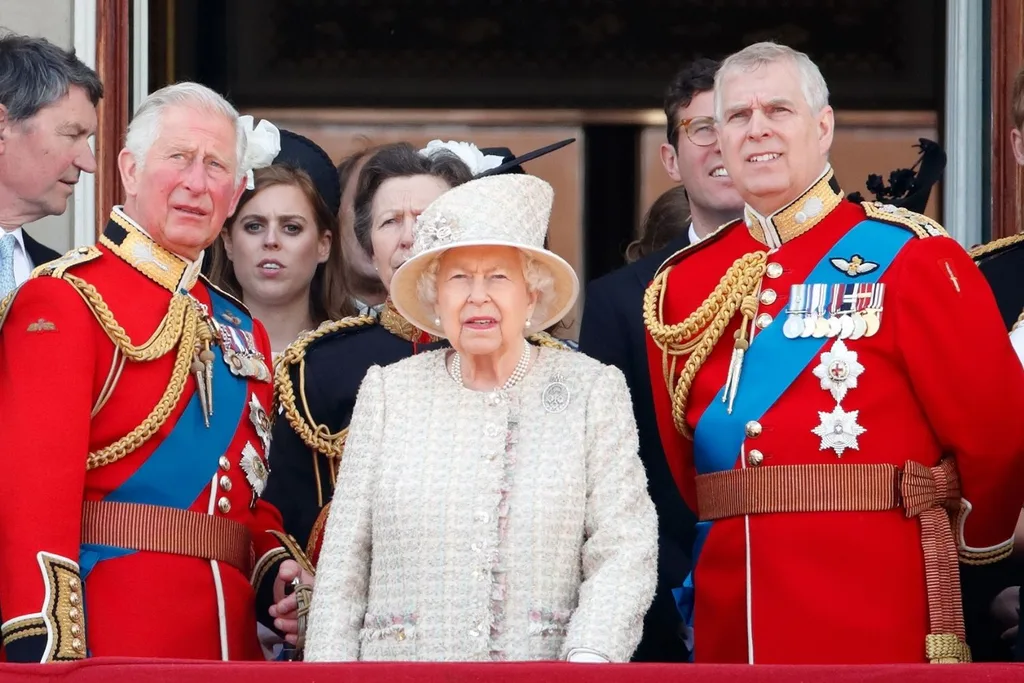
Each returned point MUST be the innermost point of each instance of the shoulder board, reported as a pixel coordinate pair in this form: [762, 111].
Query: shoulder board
[997, 246]
[695, 246]
[549, 342]
[917, 223]
[313, 435]
[227, 295]
[75, 257]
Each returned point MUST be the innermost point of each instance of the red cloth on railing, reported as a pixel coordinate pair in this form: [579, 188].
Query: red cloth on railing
[171, 671]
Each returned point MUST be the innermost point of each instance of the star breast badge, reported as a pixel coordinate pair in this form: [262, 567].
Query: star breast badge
[839, 430]
[838, 370]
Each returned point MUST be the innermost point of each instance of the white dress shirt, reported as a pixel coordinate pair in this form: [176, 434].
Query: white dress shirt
[694, 237]
[22, 262]
[1017, 339]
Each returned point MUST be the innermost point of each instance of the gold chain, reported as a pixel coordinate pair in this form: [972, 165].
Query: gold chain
[697, 335]
[192, 320]
[163, 339]
[316, 436]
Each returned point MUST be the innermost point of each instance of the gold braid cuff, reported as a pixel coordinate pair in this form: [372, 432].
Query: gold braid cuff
[314, 435]
[696, 336]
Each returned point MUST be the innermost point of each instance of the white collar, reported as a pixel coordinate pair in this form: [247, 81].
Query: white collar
[19, 237]
[692, 233]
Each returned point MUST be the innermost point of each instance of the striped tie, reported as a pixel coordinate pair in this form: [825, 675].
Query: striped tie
[7, 282]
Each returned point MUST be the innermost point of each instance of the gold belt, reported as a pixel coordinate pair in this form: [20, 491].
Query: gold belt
[923, 492]
[159, 529]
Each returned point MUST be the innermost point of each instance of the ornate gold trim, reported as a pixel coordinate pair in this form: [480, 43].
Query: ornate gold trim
[314, 435]
[23, 627]
[547, 341]
[917, 223]
[983, 250]
[264, 564]
[392, 321]
[64, 611]
[800, 215]
[142, 253]
[294, 551]
[319, 526]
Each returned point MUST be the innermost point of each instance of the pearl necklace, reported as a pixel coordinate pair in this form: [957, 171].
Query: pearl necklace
[517, 374]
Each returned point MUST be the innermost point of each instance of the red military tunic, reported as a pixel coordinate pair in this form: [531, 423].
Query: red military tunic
[937, 377]
[65, 395]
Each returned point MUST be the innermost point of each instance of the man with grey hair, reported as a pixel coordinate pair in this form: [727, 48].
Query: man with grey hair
[48, 101]
[838, 465]
[136, 526]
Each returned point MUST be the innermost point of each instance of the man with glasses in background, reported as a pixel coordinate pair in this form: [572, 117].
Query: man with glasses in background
[612, 331]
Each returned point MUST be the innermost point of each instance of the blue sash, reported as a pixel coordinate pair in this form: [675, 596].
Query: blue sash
[184, 463]
[770, 367]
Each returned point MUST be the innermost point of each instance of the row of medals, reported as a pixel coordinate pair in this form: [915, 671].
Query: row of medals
[853, 325]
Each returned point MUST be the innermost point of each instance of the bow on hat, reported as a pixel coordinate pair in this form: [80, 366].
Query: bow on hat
[262, 145]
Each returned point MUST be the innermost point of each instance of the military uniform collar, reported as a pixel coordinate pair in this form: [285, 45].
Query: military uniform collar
[392, 321]
[130, 242]
[799, 216]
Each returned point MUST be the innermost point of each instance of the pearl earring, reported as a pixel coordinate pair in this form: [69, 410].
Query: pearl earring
[437, 322]
[529, 324]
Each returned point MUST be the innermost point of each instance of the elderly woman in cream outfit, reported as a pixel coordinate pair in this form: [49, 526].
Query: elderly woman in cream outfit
[491, 504]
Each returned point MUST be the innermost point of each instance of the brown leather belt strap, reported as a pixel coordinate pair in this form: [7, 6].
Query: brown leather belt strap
[159, 529]
[920, 491]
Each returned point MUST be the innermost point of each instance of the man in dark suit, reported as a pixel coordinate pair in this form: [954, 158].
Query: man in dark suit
[612, 331]
[48, 101]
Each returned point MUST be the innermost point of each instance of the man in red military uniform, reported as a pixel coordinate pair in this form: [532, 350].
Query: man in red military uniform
[821, 405]
[135, 402]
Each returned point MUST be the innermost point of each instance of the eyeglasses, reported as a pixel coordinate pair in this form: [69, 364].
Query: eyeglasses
[700, 130]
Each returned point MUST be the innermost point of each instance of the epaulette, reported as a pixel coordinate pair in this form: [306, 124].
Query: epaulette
[75, 257]
[549, 342]
[695, 246]
[314, 435]
[917, 223]
[996, 246]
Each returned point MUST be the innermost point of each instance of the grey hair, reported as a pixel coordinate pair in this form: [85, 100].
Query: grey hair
[812, 84]
[538, 276]
[144, 128]
[35, 73]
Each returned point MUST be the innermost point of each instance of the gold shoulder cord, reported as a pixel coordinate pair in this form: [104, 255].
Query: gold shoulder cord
[698, 334]
[995, 245]
[547, 341]
[316, 436]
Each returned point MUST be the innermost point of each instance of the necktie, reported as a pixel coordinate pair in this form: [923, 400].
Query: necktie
[7, 283]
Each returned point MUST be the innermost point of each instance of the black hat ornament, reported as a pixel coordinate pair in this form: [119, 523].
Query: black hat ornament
[909, 188]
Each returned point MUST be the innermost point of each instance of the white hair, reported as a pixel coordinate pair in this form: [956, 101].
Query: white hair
[145, 126]
[812, 84]
[538, 276]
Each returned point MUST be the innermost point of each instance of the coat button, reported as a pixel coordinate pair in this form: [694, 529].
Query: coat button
[76, 644]
[76, 630]
[774, 270]
[755, 458]
[224, 505]
[73, 598]
[768, 297]
[763, 320]
[225, 464]
[73, 614]
[753, 429]
[225, 482]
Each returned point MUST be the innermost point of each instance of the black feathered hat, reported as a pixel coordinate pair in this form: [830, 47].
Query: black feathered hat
[302, 153]
[909, 187]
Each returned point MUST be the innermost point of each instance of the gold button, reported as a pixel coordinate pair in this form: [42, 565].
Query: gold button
[76, 644]
[76, 630]
[755, 458]
[753, 429]
[73, 614]
[774, 270]
[73, 598]
[225, 482]
[225, 464]
[224, 505]
[73, 584]
[768, 297]
[763, 320]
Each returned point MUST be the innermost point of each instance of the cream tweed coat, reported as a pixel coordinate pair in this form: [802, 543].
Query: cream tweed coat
[473, 526]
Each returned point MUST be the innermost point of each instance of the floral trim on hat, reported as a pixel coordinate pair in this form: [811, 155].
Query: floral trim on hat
[436, 232]
[469, 153]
